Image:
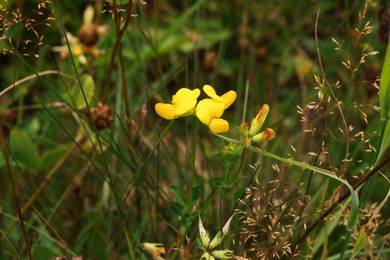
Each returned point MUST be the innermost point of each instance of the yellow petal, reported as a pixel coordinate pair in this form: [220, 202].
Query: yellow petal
[228, 98]
[185, 100]
[166, 111]
[185, 93]
[219, 125]
[208, 109]
[209, 90]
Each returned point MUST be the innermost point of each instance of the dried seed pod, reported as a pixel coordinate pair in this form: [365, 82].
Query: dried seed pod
[101, 116]
[88, 35]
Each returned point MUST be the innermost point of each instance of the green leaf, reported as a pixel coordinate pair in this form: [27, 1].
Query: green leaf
[354, 213]
[179, 195]
[23, 150]
[44, 252]
[176, 208]
[76, 97]
[53, 155]
[384, 92]
[196, 193]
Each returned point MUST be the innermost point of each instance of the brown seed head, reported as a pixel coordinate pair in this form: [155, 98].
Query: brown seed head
[88, 35]
[101, 116]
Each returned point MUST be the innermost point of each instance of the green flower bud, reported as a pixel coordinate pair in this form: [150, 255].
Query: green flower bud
[204, 235]
[216, 240]
[258, 121]
[207, 256]
[265, 136]
[222, 254]
[220, 235]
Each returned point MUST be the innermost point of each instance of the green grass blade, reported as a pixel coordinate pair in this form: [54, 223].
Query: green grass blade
[385, 145]
[11, 245]
[384, 93]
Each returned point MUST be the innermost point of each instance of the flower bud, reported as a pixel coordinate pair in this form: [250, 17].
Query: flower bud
[247, 141]
[216, 240]
[265, 136]
[154, 248]
[258, 121]
[88, 15]
[220, 235]
[222, 254]
[207, 256]
[204, 235]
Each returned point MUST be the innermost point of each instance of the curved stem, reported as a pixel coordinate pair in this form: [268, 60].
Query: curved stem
[39, 74]
[354, 196]
[327, 173]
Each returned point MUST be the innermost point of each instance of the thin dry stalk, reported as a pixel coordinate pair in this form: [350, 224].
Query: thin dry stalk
[121, 62]
[39, 74]
[14, 192]
[120, 31]
[335, 100]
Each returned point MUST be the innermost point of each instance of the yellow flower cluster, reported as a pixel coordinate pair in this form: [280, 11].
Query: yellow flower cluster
[208, 110]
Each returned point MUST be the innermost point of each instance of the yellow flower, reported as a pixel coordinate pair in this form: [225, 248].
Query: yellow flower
[183, 104]
[209, 110]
